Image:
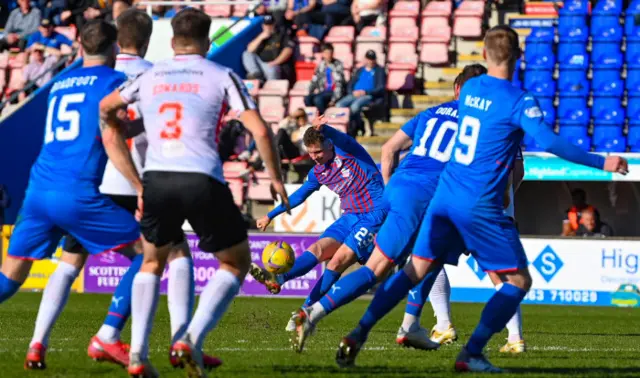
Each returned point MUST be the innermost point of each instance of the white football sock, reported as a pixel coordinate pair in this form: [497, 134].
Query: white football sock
[214, 301]
[410, 322]
[514, 326]
[108, 334]
[179, 295]
[316, 312]
[144, 301]
[440, 297]
[54, 298]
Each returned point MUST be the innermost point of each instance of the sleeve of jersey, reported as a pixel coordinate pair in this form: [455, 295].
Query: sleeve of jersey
[299, 196]
[238, 97]
[130, 90]
[531, 121]
[409, 128]
[344, 142]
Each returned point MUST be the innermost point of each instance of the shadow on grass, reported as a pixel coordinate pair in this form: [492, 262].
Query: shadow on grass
[563, 371]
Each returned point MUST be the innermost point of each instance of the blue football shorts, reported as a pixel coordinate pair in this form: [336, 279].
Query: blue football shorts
[357, 231]
[90, 217]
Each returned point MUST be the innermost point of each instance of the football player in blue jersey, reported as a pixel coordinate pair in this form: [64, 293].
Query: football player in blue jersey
[430, 135]
[346, 168]
[467, 208]
[63, 195]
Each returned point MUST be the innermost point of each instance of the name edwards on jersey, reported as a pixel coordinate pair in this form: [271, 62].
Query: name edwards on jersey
[71, 82]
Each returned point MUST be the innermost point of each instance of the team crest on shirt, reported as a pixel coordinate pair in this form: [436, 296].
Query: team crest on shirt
[338, 161]
[533, 112]
[346, 173]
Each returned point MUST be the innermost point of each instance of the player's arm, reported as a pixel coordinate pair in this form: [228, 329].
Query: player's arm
[340, 139]
[296, 199]
[531, 121]
[391, 151]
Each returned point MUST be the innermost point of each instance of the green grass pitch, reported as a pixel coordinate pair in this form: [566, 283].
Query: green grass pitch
[562, 341]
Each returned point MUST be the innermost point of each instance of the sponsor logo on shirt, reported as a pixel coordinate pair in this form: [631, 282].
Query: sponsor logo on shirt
[533, 112]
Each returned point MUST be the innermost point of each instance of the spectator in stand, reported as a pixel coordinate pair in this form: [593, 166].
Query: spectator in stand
[290, 132]
[99, 9]
[73, 13]
[47, 37]
[592, 226]
[366, 86]
[574, 214]
[331, 13]
[328, 82]
[51, 9]
[37, 66]
[365, 13]
[23, 21]
[119, 6]
[268, 54]
[297, 10]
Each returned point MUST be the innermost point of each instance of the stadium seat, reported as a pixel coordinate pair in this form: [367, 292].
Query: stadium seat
[373, 34]
[437, 9]
[236, 185]
[341, 34]
[295, 103]
[467, 27]
[272, 113]
[435, 29]
[606, 29]
[240, 10]
[434, 53]
[572, 110]
[606, 55]
[253, 86]
[548, 109]
[633, 81]
[541, 35]
[18, 60]
[633, 108]
[632, 54]
[274, 88]
[405, 9]
[574, 8]
[631, 30]
[472, 8]
[307, 47]
[607, 110]
[223, 11]
[573, 55]
[363, 47]
[540, 82]
[403, 31]
[573, 29]
[300, 88]
[606, 8]
[577, 135]
[16, 79]
[312, 112]
[609, 139]
[402, 56]
[518, 75]
[607, 83]
[338, 118]
[402, 80]
[343, 52]
[234, 169]
[260, 187]
[271, 99]
[573, 82]
[633, 137]
[539, 55]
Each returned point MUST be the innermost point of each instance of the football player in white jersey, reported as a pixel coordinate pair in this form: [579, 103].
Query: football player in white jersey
[444, 332]
[183, 101]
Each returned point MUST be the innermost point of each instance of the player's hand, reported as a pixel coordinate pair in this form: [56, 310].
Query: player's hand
[616, 164]
[318, 122]
[263, 223]
[140, 208]
[278, 188]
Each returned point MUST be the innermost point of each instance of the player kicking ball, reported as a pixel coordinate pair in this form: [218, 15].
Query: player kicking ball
[346, 168]
[182, 101]
[431, 135]
[63, 195]
[467, 207]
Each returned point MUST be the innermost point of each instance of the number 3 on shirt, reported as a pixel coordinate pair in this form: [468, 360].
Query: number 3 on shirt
[468, 137]
[172, 129]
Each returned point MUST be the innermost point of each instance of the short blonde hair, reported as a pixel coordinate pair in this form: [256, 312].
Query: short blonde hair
[502, 45]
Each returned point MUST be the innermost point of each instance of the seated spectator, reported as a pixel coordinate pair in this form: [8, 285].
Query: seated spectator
[574, 214]
[328, 82]
[267, 55]
[592, 226]
[38, 65]
[47, 37]
[366, 86]
[290, 132]
[332, 12]
[23, 21]
[296, 11]
[51, 9]
[365, 13]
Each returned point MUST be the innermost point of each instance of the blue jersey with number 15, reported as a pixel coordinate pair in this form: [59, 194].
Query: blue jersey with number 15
[72, 154]
[433, 133]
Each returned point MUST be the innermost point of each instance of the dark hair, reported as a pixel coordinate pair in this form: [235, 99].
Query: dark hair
[326, 46]
[191, 24]
[313, 137]
[134, 29]
[468, 72]
[502, 44]
[98, 37]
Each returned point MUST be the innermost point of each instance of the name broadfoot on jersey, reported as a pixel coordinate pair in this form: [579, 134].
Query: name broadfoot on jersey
[183, 101]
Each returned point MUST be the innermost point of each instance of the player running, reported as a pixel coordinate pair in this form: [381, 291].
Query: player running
[346, 168]
[443, 332]
[183, 101]
[409, 190]
[63, 195]
[467, 207]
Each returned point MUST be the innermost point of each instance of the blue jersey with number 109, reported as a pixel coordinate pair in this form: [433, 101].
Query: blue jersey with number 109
[433, 133]
[72, 154]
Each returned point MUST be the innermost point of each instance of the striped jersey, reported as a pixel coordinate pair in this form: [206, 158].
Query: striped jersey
[183, 101]
[113, 182]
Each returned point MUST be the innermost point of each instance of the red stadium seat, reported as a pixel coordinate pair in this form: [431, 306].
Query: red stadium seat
[341, 34]
[18, 60]
[272, 113]
[373, 34]
[307, 47]
[240, 10]
[403, 56]
[253, 86]
[274, 88]
[435, 29]
[343, 52]
[16, 79]
[363, 47]
[470, 8]
[403, 31]
[234, 169]
[401, 80]
[271, 98]
[409, 9]
[218, 10]
[236, 185]
[260, 191]
[467, 27]
[434, 53]
[437, 8]
[312, 112]
[338, 118]
[295, 103]
[300, 88]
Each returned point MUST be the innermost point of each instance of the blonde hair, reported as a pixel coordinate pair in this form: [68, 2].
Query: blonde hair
[501, 45]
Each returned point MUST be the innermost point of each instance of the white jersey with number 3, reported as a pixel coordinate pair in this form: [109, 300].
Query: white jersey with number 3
[113, 182]
[183, 101]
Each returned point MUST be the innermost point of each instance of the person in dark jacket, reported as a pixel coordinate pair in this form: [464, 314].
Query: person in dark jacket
[366, 87]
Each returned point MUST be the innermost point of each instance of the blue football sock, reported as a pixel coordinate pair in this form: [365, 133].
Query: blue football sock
[301, 266]
[499, 309]
[329, 277]
[8, 287]
[386, 298]
[349, 288]
[418, 296]
[120, 308]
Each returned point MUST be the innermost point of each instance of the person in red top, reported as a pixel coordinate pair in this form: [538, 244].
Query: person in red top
[573, 219]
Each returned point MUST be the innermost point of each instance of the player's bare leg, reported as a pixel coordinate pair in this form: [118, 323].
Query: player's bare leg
[443, 332]
[515, 342]
[320, 251]
[214, 301]
[54, 298]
